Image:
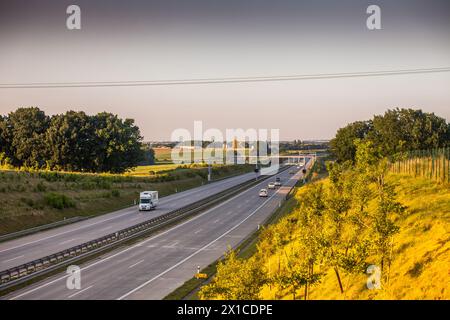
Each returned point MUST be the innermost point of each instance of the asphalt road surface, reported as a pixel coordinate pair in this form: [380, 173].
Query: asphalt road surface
[154, 267]
[25, 249]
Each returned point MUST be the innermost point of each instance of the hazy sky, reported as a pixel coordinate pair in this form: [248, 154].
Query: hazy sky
[185, 39]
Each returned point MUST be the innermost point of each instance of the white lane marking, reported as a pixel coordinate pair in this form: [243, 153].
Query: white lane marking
[135, 218]
[13, 258]
[196, 252]
[175, 243]
[172, 245]
[215, 221]
[106, 228]
[67, 241]
[190, 248]
[198, 231]
[133, 265]
[189, 193]
[228, 213]
[78, 292]
[141, 243]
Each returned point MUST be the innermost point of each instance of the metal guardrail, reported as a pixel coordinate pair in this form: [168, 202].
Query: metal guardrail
[25, 272]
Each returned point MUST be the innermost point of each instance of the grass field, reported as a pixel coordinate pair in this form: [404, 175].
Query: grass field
[32, 198]
[164, 155]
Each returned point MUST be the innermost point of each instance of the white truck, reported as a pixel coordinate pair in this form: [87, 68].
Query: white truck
[148, 200]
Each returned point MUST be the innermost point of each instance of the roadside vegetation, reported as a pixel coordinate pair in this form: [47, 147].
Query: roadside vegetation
[360, 216]
[73, 141]
[36, 197]
[395, 132]
[365, 232]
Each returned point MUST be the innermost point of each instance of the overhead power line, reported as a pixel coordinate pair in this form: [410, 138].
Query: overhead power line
[221, 80]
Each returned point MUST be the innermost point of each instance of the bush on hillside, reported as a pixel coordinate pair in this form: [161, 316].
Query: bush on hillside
[58, 201]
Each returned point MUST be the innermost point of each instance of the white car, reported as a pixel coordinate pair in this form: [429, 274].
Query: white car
[277, 183]
[263, 193]
[271, 185]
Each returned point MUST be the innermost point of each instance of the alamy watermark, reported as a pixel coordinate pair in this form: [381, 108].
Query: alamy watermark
[73, 281]
[73, 20]
[235, 146]
[373, 22]
[374, 279]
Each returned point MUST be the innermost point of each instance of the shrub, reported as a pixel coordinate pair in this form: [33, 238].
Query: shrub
[115, 193]
[41, 187]
[104, 184]
[20, 188]
[28, 201]
[49, 176]
[58, 201]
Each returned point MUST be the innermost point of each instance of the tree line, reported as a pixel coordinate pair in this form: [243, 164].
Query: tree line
[397, 131]
[341, 227]
[73, 141]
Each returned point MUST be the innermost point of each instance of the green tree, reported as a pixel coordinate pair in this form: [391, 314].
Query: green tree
[372, 167]
[342, 145]
[25, 133]
[394, 132]
[118, 143]
[4, 144]
[148, 156]
[70, 139]
[3, 141]
[236, 279]
[402, 130]
[346, 243]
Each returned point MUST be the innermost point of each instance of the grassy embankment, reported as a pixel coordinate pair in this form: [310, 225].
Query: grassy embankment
[421, 265]
[421, 250]
[33, 198]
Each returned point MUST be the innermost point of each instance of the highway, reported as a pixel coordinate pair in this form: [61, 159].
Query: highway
[154, 267]
[22, 250]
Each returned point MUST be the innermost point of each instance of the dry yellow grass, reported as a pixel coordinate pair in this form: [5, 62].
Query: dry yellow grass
[421, 254]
